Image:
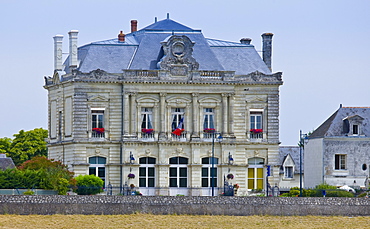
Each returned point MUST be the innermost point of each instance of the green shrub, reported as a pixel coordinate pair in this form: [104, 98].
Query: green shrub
[29, 192]
[89, 185]
[339, 193]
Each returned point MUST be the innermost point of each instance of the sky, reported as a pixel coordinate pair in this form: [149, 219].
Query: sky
[322, 48]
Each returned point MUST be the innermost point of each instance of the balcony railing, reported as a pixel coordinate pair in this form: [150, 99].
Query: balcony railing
[95, 134]
[181, 137]
[256, 135]
[147, 136]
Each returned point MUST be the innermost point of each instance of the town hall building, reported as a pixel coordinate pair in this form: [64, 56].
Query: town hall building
[167, 110]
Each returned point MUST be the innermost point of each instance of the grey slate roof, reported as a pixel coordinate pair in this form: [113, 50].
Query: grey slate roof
[142, 51]
[294, 153]
[6, 162]
[333, 126]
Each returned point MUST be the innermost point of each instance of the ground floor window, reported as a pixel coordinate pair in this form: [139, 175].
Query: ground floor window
[255, 173]
[97, 167]
[178, 172]
[208, 172]
[147, 172]
[340, 162]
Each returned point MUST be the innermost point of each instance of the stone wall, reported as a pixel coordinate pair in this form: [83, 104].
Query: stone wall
[243, 206]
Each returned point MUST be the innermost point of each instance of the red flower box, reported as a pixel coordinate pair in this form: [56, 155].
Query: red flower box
[98, 130]
[256, 131]
[147, 131]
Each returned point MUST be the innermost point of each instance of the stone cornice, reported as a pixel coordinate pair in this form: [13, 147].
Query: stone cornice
[165, 77]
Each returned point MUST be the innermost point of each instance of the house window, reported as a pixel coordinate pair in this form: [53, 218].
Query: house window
[178, 172]
[97, 123]
[177, 118]
[207, 172]
[255, 173]
[147, 172]
[256, 128]
[340, 162]
[97, 166]
[256, 120]
[208, 118]
[146, 118]
[288, 172]
[355, 129]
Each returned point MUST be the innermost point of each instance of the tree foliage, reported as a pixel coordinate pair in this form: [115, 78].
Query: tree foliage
[89, 185]
[39, 172]
[25, 145]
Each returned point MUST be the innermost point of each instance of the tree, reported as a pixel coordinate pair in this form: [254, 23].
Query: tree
[89, 185]
[27, 144]
[54, 175]
[5, 144]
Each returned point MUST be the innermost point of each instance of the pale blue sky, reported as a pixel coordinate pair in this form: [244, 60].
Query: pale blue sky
[321, 47]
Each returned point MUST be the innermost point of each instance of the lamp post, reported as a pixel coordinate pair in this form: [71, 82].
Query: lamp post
[213, 160]
[302, 139]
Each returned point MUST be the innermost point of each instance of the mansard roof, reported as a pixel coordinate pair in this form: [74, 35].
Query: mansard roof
[142, 50]
[333, 126]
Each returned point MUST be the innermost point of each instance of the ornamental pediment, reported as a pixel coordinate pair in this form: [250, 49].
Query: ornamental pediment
[178, 56]
[256, 98]
[98, 98]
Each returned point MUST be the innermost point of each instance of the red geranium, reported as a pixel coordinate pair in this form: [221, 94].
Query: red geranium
[98, 130]
[256, 131]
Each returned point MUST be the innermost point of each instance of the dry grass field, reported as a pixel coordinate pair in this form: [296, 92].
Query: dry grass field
[179, 221]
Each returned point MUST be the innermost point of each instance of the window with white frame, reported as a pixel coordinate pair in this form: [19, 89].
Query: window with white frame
[146, 118]
[207, 172]
[288, 172]
[355, 129]
[255, 173]
[147, 172]
[209, 115]
[97, 123]
[97, 166]
[178, 172]
[256, 120]
[340, 162]
[256, 124]
[177, 118]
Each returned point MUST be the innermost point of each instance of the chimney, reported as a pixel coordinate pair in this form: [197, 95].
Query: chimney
[267, 48]
[73, 61]
[121, 37]
[58, 52]
[246, 41]
[133, 26]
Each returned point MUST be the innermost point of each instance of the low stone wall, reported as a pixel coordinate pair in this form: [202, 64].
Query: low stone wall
[242, 206]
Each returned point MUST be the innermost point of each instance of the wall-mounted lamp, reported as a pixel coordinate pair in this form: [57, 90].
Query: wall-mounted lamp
[231, 159]
[132, 159]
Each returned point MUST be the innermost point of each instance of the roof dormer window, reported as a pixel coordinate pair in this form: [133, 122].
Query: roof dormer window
[352, 125]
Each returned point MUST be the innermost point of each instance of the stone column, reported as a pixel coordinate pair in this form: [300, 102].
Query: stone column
[224, 114]
[162, 126]
[195, 115]
[133, 114]
[231, 115]
[126, 113]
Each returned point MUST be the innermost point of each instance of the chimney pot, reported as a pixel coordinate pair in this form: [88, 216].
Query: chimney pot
[246, 41]
[133, 26]
[121, 37]
[267, 48]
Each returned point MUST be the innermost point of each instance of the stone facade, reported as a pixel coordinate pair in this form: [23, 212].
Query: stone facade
[112, 123]
[337, 152]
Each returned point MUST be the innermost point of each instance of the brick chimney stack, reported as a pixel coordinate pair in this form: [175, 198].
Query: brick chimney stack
[73, 60]
[121, 37]
[133, 26]
[267, 48]
[58, 52]
[246, 41]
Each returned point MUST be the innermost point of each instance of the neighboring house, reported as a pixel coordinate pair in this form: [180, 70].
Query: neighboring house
[6, 162]
[154, 103]
[290, 168]
[338, 151]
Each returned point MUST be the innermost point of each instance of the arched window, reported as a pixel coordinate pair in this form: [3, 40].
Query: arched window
[255, 173]
[97, 166]
[178, 172]
[147, 172]
[207, 172]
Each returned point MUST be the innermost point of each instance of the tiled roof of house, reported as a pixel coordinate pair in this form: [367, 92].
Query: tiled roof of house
[333, 126]
[141, 50]
[293, 151]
